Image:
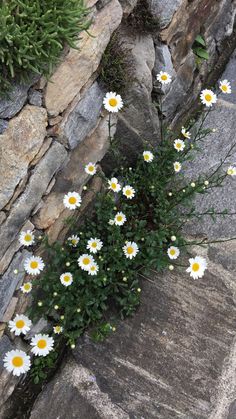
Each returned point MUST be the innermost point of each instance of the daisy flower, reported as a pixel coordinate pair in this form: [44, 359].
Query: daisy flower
[26, 288]
[197, 267]
[90, 168]
[20, 324]
[177, 166]
[112, 102]
[93, 269]
[17, 362]
[148, 156]
[128, 191]
[208, 97]
[185, 133]
[231, 171]
[111, 222]
[179, 145]
[225, 86]
[26, 238]
[163, 77]
[42, 344]
[85, 261]
[130, 250]
[66, 279]
[114, 185]
[57, 330]
[173, 252]
[120, 219]
[94, 245]
[72, 200]
[34, 265]
[73, 240]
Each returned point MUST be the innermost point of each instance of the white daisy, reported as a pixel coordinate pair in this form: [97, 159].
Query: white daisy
[120, 219]
[112, 102]
[85, 261]
[185, 133]
[179, 145]
[177, 166]
[225, 86]
[72, 200]
[94, 245]
[128, 191]
[111, 222]
[231, 171]
[26, 287]
[163, 77]
[66, 279]
[20, 324]
[208, 97]
[90, 168]
[17, 362]
[42, 344]
[197, 267]
[93, 269]
[57, 330]
[173, 252]
[34, 265]
[130, 250]
[73, 240]
[114, 185]
[26, 238]
[148, 156]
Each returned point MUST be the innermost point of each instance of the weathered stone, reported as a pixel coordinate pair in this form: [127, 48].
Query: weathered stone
[18, 146]
[45, 170]
[213, 149]
[3, 125]
[2, 217]
[73, 176]
[13, 248]
[7, 381]
[72, 74]
[45, 146]
[35, 97]
[163, 11]
[10, 106]
[128, 6]
[55, 121]
[10, 310]
[230, 75]
[42, 325]
[80, 120]
[9, 281]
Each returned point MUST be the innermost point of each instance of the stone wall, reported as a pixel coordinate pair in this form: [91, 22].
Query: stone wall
[49, 130]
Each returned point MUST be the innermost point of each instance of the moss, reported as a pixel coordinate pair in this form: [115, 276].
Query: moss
[141, 19]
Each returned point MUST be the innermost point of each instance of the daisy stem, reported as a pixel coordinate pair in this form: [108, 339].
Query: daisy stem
[204, 242]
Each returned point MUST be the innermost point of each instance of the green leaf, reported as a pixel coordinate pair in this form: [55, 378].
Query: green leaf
[202, 53]
[199, 39]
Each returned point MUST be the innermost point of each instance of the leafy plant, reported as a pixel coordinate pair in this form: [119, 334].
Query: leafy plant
[200, 50]
[33, 35]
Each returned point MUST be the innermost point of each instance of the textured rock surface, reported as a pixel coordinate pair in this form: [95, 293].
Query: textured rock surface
[78, 66]
[175, 359]
[7, 382]
[3, 125]
[18, 146]
[163, 11]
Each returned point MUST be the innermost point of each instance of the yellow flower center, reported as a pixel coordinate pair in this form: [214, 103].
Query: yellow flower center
[113, 102]
[34, 264]
[74, 241]
[17, 361]
[113, 185]
[178, 145]
[28, 238]
[128, 192]
[20, 324]
[93, 268]
[130, 250]
[27, 287]
[42, 344]
[67, 278]
[94, 245]
[91, 168]
[146, 157]
[172, 252]
[224, 88]
[57, 328]
[208, 97]
[86, 261]
[119, 218]
[72, 200]
[195, 267]
[164, 77]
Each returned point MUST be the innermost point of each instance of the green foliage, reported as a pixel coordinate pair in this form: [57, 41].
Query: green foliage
[163, 203]
[42, 366]
[33, 35]
[200, 50]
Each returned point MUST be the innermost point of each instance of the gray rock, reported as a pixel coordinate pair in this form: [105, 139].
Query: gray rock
[163, 10]
[213, 149]
[7, 381]
[230, 75]
[9, 281]
[232, 411]
[35, 97]
[17, 97]
[83, 117]
[3, 125]
[51, 162]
